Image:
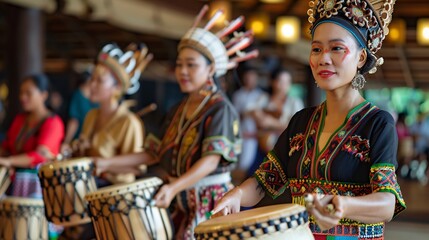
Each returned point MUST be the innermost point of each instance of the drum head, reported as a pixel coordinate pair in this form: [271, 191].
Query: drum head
[18, 201]
[255, 222]
[120, 189]
[81, 163]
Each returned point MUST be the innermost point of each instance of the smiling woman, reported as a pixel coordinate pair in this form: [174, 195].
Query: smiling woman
[201, 138]
[344, 150]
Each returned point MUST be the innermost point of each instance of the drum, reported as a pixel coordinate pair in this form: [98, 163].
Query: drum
[124, 212]
[64, 186]
[283, 221]
[4, 180]
[23, 219]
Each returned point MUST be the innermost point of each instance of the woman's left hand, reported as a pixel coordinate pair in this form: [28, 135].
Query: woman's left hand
[327, 211]
[165, 195]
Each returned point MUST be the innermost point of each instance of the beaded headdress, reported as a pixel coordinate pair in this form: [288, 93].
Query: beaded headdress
[125, 66]
[367, 20]
[224, 53]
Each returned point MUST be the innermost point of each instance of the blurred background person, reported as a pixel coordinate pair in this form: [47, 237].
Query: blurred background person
[33, 138]
[277, 109]
[405, 145]
[245, 102]
[111, 129]
[80, 105]
[420, 132]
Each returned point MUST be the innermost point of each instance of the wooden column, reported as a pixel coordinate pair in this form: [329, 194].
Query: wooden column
[24, 51]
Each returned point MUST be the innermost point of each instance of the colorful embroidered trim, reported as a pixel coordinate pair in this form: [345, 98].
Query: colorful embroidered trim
[383, 179]
[270, 175]
[221, 145]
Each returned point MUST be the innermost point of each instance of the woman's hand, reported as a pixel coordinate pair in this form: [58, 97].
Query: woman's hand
[100, 165]
[66, 150]
[5, 162]
[230, 203]
[80, 146]
[165, 195]
[327, 211]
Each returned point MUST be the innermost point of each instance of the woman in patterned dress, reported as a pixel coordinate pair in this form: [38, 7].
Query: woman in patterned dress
[202, 140]
[344, 150]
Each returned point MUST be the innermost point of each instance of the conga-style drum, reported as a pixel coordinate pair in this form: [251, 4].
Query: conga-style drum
[283, 222]
[23, 219]
[124, 212]
[4, 179]
[64, 186]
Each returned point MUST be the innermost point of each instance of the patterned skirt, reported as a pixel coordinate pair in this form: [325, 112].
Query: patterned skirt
[26, 184]
[194, 205]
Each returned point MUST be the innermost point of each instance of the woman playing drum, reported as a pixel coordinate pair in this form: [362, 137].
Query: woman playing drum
[112, 129]
[33, 138]
[344, 150]
[202, 138]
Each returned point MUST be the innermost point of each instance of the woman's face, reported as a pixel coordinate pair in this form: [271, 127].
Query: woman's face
[335, 57]
[102, 85]
[250, 79]
[30, 96]
[192, 70]
[282, 83]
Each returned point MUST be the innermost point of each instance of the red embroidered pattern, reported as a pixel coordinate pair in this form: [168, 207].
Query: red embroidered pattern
[296, 143]
[358, 147]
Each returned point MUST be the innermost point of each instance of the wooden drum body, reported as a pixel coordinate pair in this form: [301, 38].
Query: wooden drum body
[124, 212]
[283, 222]
[64, 186]
[23, 219]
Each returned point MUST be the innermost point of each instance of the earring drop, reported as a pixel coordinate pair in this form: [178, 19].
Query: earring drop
[358, 81]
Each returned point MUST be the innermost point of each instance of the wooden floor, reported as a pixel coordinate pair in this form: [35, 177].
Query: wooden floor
[413, 223]
[406, 231]
[417, 199]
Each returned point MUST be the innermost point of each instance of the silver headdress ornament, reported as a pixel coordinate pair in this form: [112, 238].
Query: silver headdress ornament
[224, 55]
[125, 66]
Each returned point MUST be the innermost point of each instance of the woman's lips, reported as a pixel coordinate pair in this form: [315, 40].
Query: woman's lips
[184, 81]
[326, 74]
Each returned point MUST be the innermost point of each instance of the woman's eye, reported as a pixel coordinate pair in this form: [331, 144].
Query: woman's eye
[337, 48]
[316, 50]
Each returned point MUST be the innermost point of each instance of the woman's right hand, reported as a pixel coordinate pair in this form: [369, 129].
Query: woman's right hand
[66, 150]
[80, 146]
[230, 203]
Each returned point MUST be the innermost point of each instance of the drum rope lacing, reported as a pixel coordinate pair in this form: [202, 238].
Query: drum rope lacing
[125, 203]
[65, 177]
[278, 224]
[26, 213]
